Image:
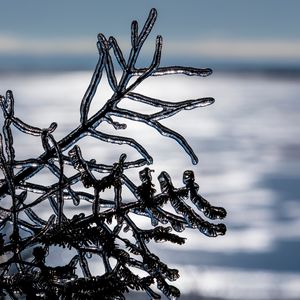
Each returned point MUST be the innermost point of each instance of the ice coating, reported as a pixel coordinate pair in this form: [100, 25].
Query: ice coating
[107, 229]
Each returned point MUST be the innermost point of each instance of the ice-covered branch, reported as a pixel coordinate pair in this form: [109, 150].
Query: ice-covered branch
[173, 70]
[163, 130]
[121, 140]
[105, 226]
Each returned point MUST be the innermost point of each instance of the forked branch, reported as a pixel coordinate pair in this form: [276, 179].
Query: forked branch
[105, 227]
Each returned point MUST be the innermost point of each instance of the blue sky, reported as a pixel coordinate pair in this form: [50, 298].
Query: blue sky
[213, 30]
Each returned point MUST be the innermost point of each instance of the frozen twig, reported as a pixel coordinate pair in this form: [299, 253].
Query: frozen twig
[105, 228]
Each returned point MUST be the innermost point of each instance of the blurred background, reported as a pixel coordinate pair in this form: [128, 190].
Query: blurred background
[247, 142]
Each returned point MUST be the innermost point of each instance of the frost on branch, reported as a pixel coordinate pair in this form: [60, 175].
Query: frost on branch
[105, 232]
